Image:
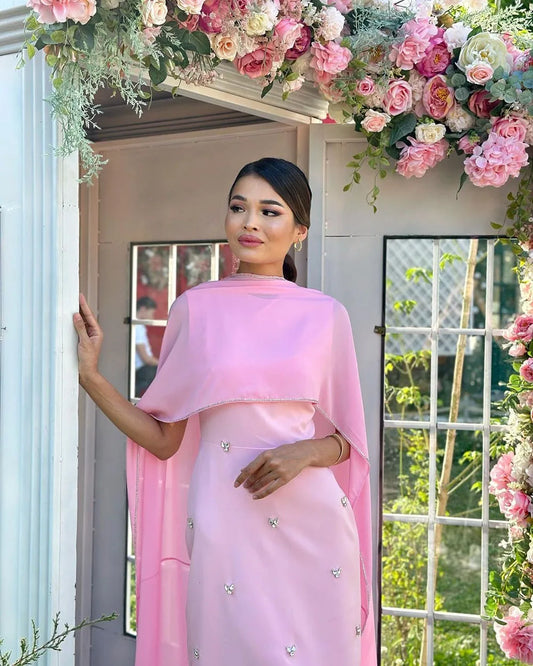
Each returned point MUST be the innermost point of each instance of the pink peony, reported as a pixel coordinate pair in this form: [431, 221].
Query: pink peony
[365, 87]
[515, 637]
[398, 98]
[301, 45]
[409, 52]
[521, 329]
[59, 11]
[520, 508]
[510, 127]
[329, 58]
[422, 28]
[286, 32]
[526, 370]
[479, 73]
[467, 143]
[257, 63]
[438, 97]
[501, 475]
[435, 61]
[417, 158]
[480, 103]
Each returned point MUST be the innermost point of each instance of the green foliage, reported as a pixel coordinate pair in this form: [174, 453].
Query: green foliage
[33, 649]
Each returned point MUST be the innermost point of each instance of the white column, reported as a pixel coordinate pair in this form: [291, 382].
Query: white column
[38, 378]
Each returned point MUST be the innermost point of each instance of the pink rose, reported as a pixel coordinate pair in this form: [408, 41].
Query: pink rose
[515, 637]
[517, 349]
[438, 97]
[257, 63]
[524, 61]
[525, 398]
[287, 31]
[501, 475]
[329, 58]
[301, 45]
[521, 329]
[435, 61]
[365, 87]
[479, 73]
[526, 370]
[480, 103]
[409, 52]
[417, 158]
[520, 508]
[375, 121]
[59, 11]
[398, 98]
[467, 143]
[510, 127]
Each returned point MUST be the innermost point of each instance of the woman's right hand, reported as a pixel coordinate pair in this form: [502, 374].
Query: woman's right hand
[90, 338]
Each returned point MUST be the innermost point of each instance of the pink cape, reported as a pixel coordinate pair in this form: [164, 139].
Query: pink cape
[238, 340]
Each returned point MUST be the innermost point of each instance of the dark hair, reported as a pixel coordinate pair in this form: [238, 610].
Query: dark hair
[146, 302]
[290, 182]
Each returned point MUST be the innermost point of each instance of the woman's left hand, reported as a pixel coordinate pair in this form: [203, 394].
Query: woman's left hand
[274, 468]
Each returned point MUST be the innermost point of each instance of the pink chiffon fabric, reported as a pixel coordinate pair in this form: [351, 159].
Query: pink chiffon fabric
[253, 364]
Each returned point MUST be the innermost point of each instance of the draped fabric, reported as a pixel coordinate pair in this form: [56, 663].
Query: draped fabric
[238, 340]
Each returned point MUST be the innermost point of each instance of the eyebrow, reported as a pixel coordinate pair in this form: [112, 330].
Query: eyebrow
[263, 201]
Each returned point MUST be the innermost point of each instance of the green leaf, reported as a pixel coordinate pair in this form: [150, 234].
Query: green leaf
[462, 181]
[267, 89]
[198, 42]
[510, 96]
[57, 82]
[59, 36]
[51, 59]
[402, 126]
[462, 94]
[495, 225]
[157, 76]
[32, 23]
[31, 50]
[498, 73]
[458, 79]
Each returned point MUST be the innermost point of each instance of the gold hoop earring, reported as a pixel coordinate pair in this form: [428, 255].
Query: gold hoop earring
[298, 245]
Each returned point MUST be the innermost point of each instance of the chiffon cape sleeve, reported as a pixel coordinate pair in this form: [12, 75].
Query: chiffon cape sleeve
[238, 341]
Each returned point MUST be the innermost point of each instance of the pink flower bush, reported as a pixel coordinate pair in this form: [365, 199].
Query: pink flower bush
[515, 637]
[59, 11]
[526, 370]
[398, 98]
[417, 158]
[438, 97]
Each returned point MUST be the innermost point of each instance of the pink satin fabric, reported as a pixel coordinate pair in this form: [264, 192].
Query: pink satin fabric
[231, 341]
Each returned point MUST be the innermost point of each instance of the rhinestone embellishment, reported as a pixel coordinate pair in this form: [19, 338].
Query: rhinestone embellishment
[229, 588]
[357, 630]
[190, 523]
[196, 653]
[273, 522]
[225, 445]
[344, 501]
[291, 650]
[336, 572]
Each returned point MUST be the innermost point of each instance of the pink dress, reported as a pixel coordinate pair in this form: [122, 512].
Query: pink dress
[272, 581]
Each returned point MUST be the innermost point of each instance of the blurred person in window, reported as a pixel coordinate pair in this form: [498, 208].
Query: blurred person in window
[145, 361]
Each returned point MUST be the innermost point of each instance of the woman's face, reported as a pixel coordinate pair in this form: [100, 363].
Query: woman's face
[260, 227]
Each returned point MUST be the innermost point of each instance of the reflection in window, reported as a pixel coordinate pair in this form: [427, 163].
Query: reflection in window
[443, 372]
[161, 272]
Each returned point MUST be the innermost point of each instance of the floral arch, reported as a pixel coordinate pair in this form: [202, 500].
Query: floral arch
[420, 81]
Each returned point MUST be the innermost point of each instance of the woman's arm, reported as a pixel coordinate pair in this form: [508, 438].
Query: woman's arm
[161, 439]
[276, 467]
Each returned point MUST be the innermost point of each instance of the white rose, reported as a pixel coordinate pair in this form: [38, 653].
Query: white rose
[487, 48]
[191, 6]
[430, 132]
[331, 23]
[154, 12]
[301, 64]
[258, 23]
[456, 35]
[224, 46]
[459, 120]
[294, 85]
[110, 4]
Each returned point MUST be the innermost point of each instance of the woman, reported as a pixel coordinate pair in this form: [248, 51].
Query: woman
[250, 550]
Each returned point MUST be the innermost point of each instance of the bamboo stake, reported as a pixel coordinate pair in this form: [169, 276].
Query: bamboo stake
[447, 462]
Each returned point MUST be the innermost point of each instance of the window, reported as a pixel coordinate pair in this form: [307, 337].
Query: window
[444, 370]
[159, 273]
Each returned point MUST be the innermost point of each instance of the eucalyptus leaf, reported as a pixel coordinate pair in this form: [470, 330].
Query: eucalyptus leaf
[458, 79]
[462, 94]
[498, 73]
